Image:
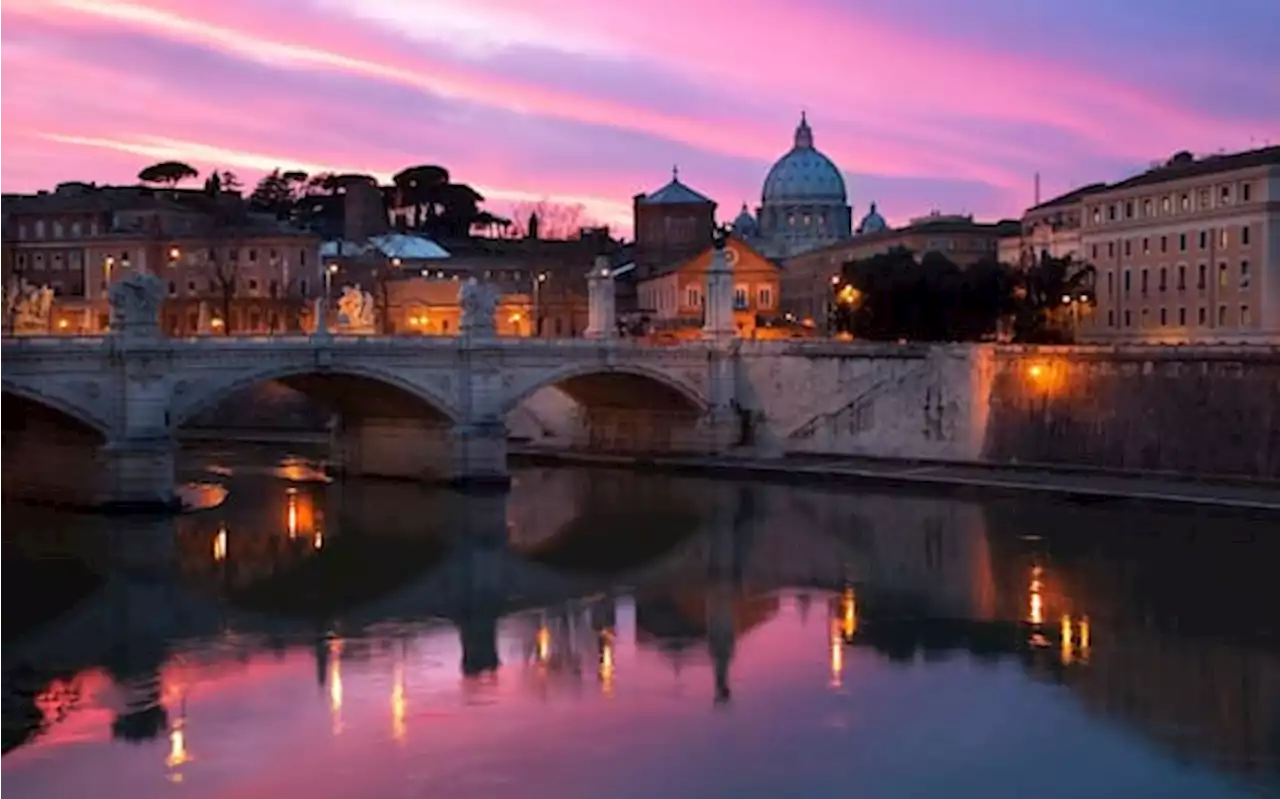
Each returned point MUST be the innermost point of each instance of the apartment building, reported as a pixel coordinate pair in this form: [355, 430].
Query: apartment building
[1188, 251]
[216, 260]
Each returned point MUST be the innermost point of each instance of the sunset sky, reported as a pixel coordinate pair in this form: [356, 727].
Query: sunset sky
[948, 104]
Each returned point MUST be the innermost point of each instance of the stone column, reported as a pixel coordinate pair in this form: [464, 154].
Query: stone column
[478, 301]
[137, 462]
[602, 316]
[718, 322]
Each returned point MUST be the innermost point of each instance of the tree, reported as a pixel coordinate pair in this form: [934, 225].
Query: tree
[893, 296]
[168, 173]
[231, 181]
[421, 188]
[554, 220]
[278, 193]
[1048, 298]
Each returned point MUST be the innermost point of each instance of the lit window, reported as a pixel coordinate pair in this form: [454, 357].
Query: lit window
[1184, 202]
[1245, 318]
[1223, 239]
[1222, 275]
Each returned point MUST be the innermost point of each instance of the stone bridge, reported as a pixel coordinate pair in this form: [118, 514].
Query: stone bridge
[93, 421]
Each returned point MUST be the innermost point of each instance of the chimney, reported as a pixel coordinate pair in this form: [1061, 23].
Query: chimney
[1037, 190]
[363, 214]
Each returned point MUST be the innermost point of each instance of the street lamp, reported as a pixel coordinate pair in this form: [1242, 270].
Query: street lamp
[537, 302]
[322, 304]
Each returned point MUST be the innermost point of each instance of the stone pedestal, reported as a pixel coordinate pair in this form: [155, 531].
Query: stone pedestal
[718, 321]
[137, 475]
[602, 316]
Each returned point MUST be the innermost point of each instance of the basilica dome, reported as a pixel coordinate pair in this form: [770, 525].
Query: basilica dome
[804, 174]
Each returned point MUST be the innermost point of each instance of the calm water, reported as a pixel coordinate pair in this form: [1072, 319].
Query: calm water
[597, 634]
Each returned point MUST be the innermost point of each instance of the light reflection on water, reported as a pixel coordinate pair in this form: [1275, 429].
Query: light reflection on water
[602, 634]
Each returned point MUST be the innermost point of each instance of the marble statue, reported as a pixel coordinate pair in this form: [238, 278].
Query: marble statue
[479, 301]
[28, 307]
[135, 303]
[355, 311]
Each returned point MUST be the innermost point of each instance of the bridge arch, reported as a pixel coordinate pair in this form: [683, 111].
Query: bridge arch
[380, 392]
[18, 398]
[629, 386]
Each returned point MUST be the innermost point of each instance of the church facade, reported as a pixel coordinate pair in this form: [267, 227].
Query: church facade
[804, 203]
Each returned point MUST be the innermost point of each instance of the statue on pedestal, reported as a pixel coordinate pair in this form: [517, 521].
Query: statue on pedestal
[135, 304]
[355, 311]
[479, 301]
[28, 307]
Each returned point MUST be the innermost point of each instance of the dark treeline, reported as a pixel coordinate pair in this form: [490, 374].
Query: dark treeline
[894, 295]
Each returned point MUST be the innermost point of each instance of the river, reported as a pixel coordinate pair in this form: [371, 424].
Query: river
[604, 634]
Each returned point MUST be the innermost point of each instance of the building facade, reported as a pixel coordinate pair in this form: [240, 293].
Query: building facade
[1188, 251]
[674, 300]
[224, 270]
[804, 204]
[1052, 227]
[807, 279]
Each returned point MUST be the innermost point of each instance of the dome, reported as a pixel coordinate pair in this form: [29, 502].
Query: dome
[744, 224]
[804, 175]
[872, 222]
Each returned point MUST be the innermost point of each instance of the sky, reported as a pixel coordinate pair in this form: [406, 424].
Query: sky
[951, 105]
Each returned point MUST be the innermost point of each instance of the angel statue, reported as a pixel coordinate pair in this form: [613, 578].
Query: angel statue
[355, 311]
[478, 301]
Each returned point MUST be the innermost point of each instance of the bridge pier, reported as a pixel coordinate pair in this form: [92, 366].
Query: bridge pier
[137, 474]
[465, 455]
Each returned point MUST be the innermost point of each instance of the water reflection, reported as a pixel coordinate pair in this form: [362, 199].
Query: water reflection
[660, 596]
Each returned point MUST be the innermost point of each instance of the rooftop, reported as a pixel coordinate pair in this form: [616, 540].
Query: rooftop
[675, 193]
[1184, 165]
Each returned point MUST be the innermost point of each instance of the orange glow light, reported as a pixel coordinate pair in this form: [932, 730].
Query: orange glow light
[220, 545]
[543, 643]
[292, 521]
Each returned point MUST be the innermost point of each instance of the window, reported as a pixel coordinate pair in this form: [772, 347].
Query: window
[1128, 281]
[22, 261]
[1111, 249]
[39, 228]
[740, 298]
[1146, 207]
[173, 289]
[1244, 274]
[1222, 315]
[1244, 235]
[1146, 245]
[1222, 275]
[1204, 277]
[1246, 318]
[1144, 281]
[191, 287]
[1184, 202]
[1206, 200]
[302, 286]
[1164, 317]
[1093, 252]
[1111, 212]
[1128, 210]
[1097, 215]
[253, 255]
[1246, 192]
[1164, 244]
[302, 257]
[1182, 277]
[1146, 318]
[1128, 318]
[1128, 250]
[124, 257]
[274, 289]
[1182, 317]
[1224, 194]
[1164, 278]
[1204, 239]
[1222, 237]
[1166, 204]
[692, 297]
[764, 297]
[1182, 242]
[253, 285]
[1202, 317]
[75, 229]
[1111, 318]
[1111, 283]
